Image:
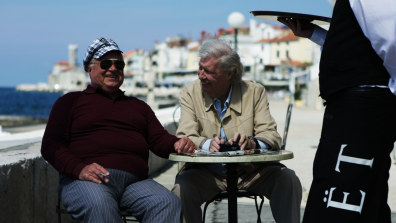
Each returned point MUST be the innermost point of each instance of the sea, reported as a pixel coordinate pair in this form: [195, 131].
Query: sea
[29, 104]
[35, 104]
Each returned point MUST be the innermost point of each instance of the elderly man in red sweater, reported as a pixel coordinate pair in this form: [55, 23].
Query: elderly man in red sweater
[99, 140]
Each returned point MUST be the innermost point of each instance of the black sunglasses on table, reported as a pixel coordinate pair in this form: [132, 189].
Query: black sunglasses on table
[107, 63]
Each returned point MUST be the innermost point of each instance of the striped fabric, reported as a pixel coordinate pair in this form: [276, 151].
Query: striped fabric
[146, 199]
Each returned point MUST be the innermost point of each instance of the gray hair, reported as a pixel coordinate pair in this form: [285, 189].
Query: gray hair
[229, 60]
[91, 63]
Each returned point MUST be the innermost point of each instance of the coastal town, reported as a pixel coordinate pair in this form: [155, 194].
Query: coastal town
[285, 64]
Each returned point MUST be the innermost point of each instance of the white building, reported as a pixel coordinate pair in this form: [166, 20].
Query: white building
[169, 62]
[171, 55]
[67, 75]
[265, 48]
[134, 66]
[255, 53]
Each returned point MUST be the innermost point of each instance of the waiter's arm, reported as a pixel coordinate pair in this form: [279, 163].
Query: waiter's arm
[305, 29]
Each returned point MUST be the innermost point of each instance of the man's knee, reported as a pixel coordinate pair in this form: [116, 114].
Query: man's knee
[163, 206]
[151, 194]
[172, 199]
[289, 179]
[184, 185]
[164, 201]
[91, 206]
[185, 179]
[287, 174]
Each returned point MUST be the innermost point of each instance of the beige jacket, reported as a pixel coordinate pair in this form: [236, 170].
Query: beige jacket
[247, 114]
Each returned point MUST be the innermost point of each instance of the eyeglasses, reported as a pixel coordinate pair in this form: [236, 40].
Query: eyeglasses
[107, 63]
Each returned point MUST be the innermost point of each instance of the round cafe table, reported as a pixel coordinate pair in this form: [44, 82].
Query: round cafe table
[232, 175]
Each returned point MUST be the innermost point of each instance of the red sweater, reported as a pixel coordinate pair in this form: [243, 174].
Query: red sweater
[90, 127]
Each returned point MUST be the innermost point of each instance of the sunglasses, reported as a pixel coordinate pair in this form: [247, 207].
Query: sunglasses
[107, 63]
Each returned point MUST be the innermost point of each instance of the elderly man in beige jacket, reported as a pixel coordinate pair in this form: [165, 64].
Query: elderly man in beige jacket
[220, 108]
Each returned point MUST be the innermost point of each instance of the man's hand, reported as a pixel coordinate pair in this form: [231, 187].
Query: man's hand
[215, 143]
[185, 145]
[299, 28]
[92, 172]
[243, 141]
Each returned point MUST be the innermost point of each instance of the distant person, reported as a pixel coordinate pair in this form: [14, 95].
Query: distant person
[220, 103]
[358, 81]
[99, 140]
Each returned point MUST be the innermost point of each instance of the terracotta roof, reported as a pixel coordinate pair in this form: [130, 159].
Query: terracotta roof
[289, 37]
[62, 63]
[229, 31]
[232, 31]
[131, 52]
[128, 75]
[69, 68]
[282, 38]
[295, 63]
[279, 27]
[265, 40]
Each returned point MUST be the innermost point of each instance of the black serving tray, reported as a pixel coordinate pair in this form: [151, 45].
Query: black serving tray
[273, 16]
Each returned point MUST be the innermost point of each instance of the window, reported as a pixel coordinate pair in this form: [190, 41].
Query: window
[262, 47]
[277, 53]
[287, 42]
[287, 53]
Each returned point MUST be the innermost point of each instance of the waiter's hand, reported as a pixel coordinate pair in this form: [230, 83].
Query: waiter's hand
[92, 173]
[299, 28]
[185, 145]
[215, 143]
[243, 141]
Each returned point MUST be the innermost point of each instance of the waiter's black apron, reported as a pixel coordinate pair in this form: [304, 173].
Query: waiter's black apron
[351, 167]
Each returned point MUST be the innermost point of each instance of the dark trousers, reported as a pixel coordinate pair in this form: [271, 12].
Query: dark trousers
[351, 167]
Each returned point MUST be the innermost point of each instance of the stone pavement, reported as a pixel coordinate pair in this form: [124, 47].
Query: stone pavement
[303, 139]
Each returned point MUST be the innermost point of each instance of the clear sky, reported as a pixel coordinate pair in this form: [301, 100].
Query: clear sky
[35, 34]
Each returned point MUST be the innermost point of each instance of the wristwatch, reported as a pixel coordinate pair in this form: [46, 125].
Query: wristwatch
[255, 140]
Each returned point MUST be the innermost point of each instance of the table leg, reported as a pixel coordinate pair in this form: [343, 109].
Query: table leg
[232, 189]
